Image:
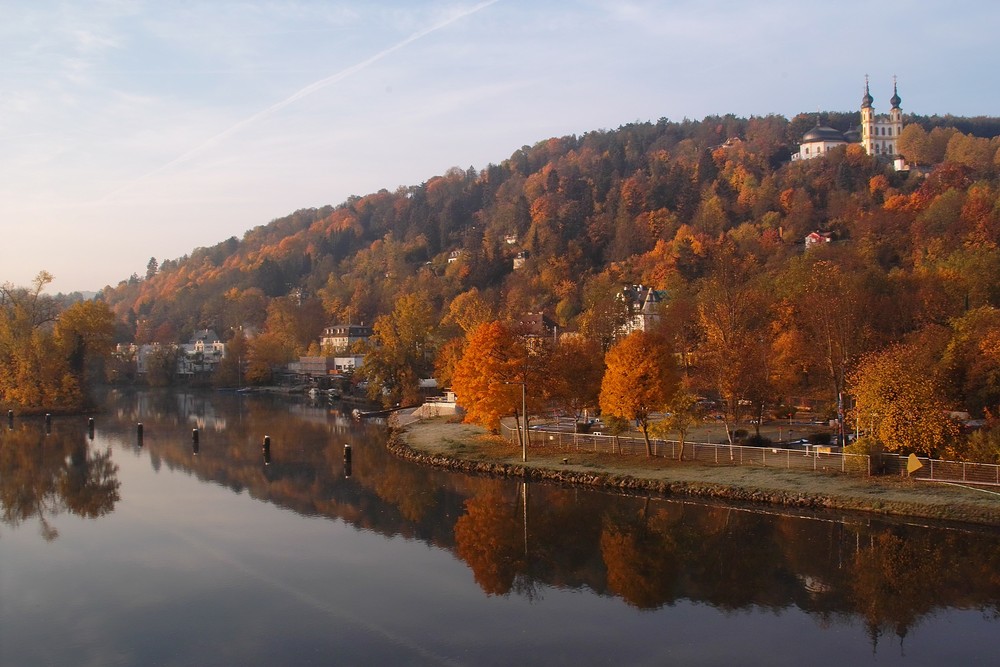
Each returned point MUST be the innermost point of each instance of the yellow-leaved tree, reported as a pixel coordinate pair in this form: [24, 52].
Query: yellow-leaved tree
[901, 403]
[84, 334]
[683, 414]
[400, 353]
[48, 358]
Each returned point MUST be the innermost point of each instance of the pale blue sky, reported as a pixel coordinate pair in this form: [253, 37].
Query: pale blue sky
[138, 129]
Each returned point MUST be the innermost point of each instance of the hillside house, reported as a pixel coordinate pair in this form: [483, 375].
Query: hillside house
[818, 238]
[537, 325]
[340, 337]
[643, 304]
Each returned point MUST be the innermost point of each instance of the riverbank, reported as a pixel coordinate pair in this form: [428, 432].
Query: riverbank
[472, 449]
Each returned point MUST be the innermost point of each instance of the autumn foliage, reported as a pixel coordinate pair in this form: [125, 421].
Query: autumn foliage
[905, 409]
[641, 379]
[711, 213]
[49, 355]
[482, 377]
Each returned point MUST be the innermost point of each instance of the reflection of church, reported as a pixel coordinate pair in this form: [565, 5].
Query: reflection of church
[878, 134]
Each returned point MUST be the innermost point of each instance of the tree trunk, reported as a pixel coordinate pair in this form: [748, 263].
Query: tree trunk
[645, 436]
[517, 424]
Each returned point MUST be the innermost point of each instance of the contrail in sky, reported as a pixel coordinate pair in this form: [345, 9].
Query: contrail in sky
[298, 95]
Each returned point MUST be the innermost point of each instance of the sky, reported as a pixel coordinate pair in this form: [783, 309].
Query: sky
[132, 129]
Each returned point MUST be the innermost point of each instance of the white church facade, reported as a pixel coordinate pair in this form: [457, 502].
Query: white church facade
[878, 134]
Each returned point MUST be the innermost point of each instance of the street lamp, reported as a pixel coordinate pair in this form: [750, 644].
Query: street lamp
[524, 416]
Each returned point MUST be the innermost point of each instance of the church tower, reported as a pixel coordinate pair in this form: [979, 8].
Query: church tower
[867, 120]
[880, 134]
[895, 114]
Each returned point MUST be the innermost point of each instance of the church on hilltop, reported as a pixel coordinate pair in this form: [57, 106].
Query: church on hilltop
[878, 133]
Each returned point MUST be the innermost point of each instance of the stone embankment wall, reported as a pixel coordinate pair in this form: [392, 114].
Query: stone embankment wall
[398, 447]
[885, 505]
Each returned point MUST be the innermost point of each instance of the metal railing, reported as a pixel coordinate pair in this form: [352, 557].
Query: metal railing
[707, 452]
[937, 470]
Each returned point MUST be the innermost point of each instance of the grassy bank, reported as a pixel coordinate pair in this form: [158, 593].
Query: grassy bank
[472, 449]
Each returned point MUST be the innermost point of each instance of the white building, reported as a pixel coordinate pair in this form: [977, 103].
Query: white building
[349, 363]
[877, 134]
[644, 304]
[880, 133]
[340, 337]
[202, 354]
[821, 139]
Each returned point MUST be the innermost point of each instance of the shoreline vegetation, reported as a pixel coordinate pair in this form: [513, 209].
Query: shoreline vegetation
[472, 449]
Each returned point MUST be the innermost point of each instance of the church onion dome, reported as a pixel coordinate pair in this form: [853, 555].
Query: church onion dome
[822, 133]
[895, 100]
[866, 101]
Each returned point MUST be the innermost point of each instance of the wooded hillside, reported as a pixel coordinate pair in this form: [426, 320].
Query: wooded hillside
[711, 211]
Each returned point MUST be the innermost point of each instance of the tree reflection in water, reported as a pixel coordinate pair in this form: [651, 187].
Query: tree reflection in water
[657, 552]
[648, 552]
[42, 476]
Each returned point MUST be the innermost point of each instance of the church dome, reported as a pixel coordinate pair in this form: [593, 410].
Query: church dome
[895, 99]
[866, 101]
[822, 133]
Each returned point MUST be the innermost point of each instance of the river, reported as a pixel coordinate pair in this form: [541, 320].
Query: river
[164, 550]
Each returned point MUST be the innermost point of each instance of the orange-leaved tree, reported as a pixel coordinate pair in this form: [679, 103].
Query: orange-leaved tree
[489, 362]
[640, 379]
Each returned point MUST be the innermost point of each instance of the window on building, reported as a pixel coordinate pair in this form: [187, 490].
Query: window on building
[890, 131]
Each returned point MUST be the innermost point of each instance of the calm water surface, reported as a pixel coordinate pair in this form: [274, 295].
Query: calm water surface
[113, 553]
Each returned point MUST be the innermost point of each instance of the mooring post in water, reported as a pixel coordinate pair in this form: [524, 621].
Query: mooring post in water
[267, 450]
[347, 460]
[48, 422]
[10, 419]
[138, 433]
[194, 440]
[90, 428]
